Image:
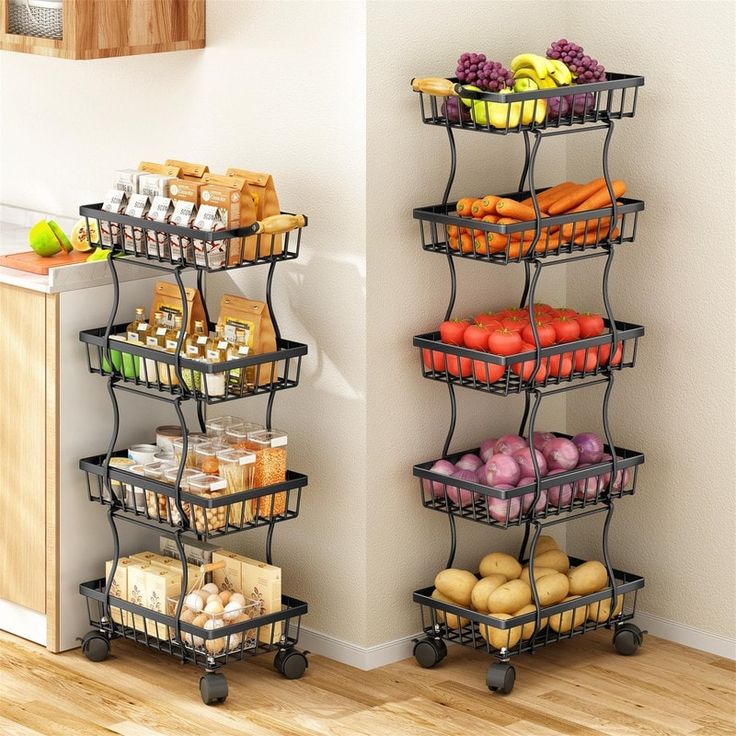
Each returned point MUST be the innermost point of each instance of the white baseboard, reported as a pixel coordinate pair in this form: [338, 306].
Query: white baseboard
[688, 636]
[23, 622]
[363, 658]
[379, 655]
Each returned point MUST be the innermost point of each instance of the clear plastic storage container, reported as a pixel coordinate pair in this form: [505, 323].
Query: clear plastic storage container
[237, 435]
[193, 439]
[217, 426]
[208, 487]
[269, 446]
[237, 468]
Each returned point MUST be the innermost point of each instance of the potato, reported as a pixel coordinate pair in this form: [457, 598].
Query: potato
[527, 630]
[501, 563]
[456, 584]
[590, 577]
[552, 589]
[545, 543]
[599, 610]
[483, 588]
[452, 621]
[509, 597]
[500, 638]
[554, 558]
[539, 572]
[568, 620]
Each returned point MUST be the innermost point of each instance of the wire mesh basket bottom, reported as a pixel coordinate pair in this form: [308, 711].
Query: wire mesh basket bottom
[39, 19]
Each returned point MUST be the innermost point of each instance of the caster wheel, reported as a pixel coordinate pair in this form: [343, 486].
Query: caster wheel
[501, 677]
[291, 663]
[429, 652]
[95, 646]
[627, 639]
[213, 688]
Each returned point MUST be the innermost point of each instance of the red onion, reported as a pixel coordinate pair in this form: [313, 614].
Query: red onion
[586, 488]
[469, 462]
[527, 498]
[508, 444]
[561, 454]
[524, 458]
[604, 479]
[461, 496]
[502, 469]
[590, 447]
[504, 511]
[486, 448]
[560, 496]
[541, 439]
[441, 467]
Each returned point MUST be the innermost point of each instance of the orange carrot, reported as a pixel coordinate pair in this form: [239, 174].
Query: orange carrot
[489, 203]
[497, 242]
[477, 209]
[507, 220]
[575, 197]
[466, 243]
[463, 206]
[452, 230]
[453, 242]
[601, 198]
[512, 208]
[548, 196]
[490, 218]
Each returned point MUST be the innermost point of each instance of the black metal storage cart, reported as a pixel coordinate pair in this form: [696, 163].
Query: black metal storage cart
[165, 508]
[590, 107]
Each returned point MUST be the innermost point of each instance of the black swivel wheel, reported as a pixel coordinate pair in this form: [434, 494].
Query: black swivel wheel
[291, 663]
[627, 639]
[501, 677]
[429, 652]
[213, 688]
[95, 646]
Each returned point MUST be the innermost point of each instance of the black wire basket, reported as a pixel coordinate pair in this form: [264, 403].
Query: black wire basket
[516, 112]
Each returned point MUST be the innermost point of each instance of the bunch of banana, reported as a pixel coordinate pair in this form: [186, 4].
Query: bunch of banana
[545, 73]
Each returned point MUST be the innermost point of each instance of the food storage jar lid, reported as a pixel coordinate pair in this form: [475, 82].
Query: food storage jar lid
[194, 439]
[165, 455]
[204, 483]
[240, 432]
[209, 449]
[268, 438]
[143, 448]
[121, 462]
[241, 457]
[186, 476]
[218, 425]
[137, 469]
[169, 430]
[157, 468]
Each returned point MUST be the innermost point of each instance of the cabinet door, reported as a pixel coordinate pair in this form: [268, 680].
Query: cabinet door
[23, 447]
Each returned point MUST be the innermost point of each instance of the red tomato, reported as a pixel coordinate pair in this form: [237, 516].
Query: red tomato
[560, 366]
[476, 337]
[487, 372]
[540, 307]
[604, 351]
[525, 371]
[515, 324]
[489, 319]
[566, 329]
[452, 330]
[504, 342]
[458, 366]
[591, 325]
[433, 361]
[565, 312]
[545, 331]
[522, 312]
[586, 360]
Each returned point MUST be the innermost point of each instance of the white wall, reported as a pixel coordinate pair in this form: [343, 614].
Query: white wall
[279, 89]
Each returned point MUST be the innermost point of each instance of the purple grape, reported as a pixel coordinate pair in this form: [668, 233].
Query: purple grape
[468, 66]
[561, 105]
[582, 67]
[493, 77]
[454, 110]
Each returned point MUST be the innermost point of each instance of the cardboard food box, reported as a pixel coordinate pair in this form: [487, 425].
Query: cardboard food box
[261, 582]
[126, 180]
[183, 215]
[157, 243]
[197, 553]
[119, 587]
[116, 202]
[166, 299]
[162, 583]
[136, 585]
[133, 238]
[210, 253]
[188, 170]
[228, 577]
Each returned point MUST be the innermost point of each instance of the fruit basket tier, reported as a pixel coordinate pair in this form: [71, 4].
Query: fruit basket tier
[157, 630]
[154, 369]
[560, 364]
[276, 238]
[154, 502]
[515, 112]
[561, 492]
[444, 231]
[515, 635]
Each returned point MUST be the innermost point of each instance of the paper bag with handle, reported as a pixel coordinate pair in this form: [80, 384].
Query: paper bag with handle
[266, 202]
[188, 170]
[241, 313]
[167, 299]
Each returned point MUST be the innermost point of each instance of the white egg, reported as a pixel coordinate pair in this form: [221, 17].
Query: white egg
[199, 621]
[225, 596]
[214, 607]
[211, 589]
[232, 610]
[213, 623]
[239, 598]
[187, 616]
[213, 597]
[194, 602]
[214, 646]
[234, 641]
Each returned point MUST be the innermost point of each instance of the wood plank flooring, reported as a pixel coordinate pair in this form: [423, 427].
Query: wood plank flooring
[577, 688]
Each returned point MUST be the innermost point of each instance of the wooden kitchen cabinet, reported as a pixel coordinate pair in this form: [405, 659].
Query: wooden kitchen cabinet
[28, 451]
[95, 29]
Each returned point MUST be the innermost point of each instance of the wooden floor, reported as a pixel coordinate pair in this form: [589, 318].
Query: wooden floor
[577, 687]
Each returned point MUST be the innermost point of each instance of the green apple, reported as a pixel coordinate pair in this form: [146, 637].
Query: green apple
[61, 236]
[43, 240]
[524, 84]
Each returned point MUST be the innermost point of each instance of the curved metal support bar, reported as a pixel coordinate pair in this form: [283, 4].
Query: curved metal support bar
[533, 193]
[453, 420]
[202, 287]
[525, 414]
[524, 541]
[607, 559]
[609, 248]
[184, 321]
[269, 409]
[183, 593]
[533, 321]
[445, 199]
[182, 465]
[533, 582]
[113, 435]
[453, 540]
[608, 308]
[527, 277]
[269, 542]
[607, 174]
[269, 283]
[525, 170]
[532, 453]
[115, 559]
[115, 304]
